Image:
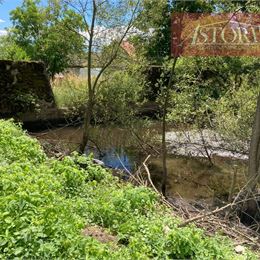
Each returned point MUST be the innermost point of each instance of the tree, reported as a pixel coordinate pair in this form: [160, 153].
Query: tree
[39, 31]
[9, 50]
[166, 89]
[254, 155]
[106, 23]
[155, 19]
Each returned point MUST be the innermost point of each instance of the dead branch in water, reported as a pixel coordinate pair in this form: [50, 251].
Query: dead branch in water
[230, 205]
[210, 221]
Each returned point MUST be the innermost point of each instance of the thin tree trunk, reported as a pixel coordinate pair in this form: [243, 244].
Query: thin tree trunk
[91, 93]
[250, 208]
[93, 85]
[254, 153]
[164, 147]
[86, 125]
[164, 125]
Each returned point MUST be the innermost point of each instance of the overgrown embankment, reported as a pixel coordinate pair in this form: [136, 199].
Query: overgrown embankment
[72, 209]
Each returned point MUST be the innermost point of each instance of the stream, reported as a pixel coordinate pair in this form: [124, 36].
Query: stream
[190, 174]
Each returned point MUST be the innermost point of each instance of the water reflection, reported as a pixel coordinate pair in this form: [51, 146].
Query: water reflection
[191, 178]
[116, 157]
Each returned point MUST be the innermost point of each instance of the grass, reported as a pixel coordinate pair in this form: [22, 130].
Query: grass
[70, 92]
[46, 205]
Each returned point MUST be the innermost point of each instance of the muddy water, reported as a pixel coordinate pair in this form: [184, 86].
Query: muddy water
[190, 178]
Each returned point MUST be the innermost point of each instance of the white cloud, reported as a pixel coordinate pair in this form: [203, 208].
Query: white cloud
[3, 32]
[104, 36]
[2, 21]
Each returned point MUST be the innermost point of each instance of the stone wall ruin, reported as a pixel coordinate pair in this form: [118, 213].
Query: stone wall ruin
[24, 87]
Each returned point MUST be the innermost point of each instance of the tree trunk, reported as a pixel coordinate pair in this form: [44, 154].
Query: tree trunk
[254, 153]
[164, 124]
[164, 147]
[87, 124]
[249, 213]
[91, 90]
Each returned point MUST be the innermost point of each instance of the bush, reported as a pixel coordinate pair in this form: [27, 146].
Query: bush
[118, 97]
[235, 113]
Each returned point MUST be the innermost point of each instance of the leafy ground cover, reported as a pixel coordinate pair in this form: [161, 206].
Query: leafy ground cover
[48, 208]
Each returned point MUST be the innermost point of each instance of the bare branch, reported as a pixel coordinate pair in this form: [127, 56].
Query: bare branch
[113, 57]
[90, 44]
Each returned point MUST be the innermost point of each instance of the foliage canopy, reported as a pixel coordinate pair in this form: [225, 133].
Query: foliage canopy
[41, 33]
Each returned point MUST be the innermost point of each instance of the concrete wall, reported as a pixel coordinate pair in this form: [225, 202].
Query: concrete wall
[24, 86]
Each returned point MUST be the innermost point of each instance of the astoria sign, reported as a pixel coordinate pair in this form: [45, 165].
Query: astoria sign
[229, 34]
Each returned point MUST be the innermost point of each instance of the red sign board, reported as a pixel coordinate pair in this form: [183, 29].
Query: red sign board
[228, 34]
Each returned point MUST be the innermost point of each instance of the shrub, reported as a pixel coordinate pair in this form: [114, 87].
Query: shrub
[235, 114]
[116, 101]
[118, 97]
[220, 90]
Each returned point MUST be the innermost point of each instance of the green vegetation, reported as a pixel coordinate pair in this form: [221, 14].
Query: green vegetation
[46, 204]
[9, 50]
[70, 93]
[39, 33]
[217, 93]
[116, 101]
[206, 92]
[235, 111]
[18, 147]
[119, 96]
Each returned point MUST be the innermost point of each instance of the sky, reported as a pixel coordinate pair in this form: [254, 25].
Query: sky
[5, 9]
[9, 5]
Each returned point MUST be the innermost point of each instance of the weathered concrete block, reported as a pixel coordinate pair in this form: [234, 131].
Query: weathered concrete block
[24, 87]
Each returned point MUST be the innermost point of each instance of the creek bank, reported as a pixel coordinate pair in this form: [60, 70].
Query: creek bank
[191, 178]
[67, 202]
[193, 183]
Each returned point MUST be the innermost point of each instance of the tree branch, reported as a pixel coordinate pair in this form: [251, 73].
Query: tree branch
[113, 57]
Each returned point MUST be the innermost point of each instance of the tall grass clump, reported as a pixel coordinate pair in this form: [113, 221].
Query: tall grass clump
[46, 204]
[70, 92]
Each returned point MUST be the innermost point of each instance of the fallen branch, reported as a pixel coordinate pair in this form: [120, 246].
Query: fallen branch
[164, 200]
[230, 205]
[149, 176]
[205, 215]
